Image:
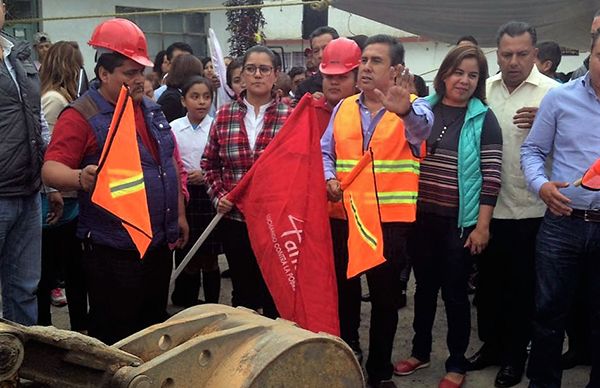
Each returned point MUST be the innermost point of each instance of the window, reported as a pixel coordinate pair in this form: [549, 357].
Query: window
[295, 58]
[163, 30]
[22, 9]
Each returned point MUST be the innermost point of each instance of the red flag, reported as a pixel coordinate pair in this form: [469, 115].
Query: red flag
[284, 201]
[365, 238]
[119, 185]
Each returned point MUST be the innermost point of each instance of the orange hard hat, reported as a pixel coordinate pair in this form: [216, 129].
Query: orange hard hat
[340, 56]
[124, 37]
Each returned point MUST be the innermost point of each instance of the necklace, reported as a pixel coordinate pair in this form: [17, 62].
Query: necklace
[445, 126]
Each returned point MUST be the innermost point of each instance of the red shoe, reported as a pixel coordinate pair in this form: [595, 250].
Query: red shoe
[58, 297]
[406, 367]
[447, 383]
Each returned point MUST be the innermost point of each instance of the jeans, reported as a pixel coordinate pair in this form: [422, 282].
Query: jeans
[441, 261]
[20, 256]
[565, 247]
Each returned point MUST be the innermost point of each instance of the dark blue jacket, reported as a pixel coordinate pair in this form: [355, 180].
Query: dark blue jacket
[160, 179]
[21, 144]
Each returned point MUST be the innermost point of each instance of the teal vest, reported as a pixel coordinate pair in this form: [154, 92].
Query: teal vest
[470, 179]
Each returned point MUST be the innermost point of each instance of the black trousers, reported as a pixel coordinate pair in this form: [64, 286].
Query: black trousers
[349, 290]
[61, 247]
[126, 294]
[385, 298]
[249, 288]
[505, 289]
[440, 261]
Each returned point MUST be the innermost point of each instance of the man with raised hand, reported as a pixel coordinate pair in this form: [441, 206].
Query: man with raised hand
[382, 119]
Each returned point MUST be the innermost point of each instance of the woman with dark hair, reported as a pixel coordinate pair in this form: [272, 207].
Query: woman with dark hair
[161, 67]
[234, 77]
[59, 73]
[241, 132]
[458, 186]
[210, 72]
[182, 69]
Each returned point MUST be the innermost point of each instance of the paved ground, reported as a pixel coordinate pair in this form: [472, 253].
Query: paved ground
[428, 377]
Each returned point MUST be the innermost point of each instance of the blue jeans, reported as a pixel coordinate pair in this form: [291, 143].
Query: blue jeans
[565, 247]
[20, 256]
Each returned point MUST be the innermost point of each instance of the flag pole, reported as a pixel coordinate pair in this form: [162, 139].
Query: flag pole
[211, 226]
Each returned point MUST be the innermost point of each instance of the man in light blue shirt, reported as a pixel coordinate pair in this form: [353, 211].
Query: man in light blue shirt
[568, 244]
[417, 122]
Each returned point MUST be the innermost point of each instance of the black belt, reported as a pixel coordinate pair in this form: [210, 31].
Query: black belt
[586, 215]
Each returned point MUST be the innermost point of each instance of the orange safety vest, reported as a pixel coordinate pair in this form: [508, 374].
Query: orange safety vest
[396, 168]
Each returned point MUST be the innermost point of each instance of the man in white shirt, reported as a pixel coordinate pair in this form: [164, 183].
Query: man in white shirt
[506, 278]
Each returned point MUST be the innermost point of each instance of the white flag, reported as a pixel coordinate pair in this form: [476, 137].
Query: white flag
[224, 93]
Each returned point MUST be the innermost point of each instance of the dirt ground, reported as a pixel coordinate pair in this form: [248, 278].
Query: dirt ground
[429, 377]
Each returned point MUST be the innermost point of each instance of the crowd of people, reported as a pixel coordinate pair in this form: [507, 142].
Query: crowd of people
[477, 174]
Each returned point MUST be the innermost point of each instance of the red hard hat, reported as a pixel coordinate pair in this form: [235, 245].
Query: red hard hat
[340, 56]
[124, 37]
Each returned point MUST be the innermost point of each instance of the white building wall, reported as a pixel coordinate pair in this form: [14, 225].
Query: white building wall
[284, 27]
[81, 30]
[424, 58]
[286, 23]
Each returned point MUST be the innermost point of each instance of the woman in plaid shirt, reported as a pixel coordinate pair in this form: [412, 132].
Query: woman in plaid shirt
[240, 133]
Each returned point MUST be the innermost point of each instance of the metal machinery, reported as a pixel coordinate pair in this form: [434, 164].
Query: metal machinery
[212, 346]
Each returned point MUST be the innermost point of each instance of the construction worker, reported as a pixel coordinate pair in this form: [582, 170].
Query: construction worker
[339, 68]
[382, 119]
[126, 294]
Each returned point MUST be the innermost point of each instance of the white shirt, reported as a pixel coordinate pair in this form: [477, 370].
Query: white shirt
[191, 142]
[514, 200]
[7, 47]
[52, 104]
[254, 123]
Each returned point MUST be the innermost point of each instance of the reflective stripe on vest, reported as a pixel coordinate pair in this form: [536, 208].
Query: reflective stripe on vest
[390, 197]
[396, 168]
[365, 234]
[393, 166]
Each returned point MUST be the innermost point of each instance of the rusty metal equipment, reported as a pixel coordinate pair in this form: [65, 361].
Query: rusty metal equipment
[212, 346]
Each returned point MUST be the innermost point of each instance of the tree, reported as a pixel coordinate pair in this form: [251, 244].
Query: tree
[245, 26]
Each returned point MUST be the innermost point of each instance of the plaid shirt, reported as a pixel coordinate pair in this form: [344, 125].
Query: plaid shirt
[228, 156]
